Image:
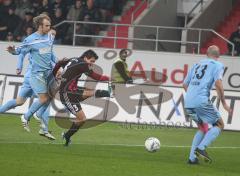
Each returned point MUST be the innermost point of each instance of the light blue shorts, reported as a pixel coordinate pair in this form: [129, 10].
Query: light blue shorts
[207, 114]
[39, 81]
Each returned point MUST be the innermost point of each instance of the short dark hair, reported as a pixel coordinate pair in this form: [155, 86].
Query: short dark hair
[122, 51]
[89, 53]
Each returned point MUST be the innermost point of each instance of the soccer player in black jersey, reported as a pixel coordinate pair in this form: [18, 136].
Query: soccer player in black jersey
[70, 94]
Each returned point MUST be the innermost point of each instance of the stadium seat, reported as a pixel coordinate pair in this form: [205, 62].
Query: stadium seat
[122, 31]
[225, 28]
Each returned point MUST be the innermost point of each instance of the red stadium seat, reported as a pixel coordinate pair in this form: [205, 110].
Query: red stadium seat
[122, 31]
[225, 29]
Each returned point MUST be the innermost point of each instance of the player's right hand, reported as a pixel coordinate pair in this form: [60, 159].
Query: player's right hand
[11, 49]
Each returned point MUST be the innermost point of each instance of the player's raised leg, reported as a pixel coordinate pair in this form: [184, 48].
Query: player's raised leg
[9, 105]
[20, 100]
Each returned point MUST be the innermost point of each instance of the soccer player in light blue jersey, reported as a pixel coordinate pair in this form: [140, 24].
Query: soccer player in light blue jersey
[40, 47]
[198, 83]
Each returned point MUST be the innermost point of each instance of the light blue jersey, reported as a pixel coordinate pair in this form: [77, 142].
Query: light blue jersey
[43, 60]
[200, 80]
[40, 48]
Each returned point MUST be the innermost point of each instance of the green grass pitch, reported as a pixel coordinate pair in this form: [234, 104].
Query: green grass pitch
[110, 150]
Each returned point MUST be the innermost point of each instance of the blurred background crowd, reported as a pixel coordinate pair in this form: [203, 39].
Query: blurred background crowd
[16, 17]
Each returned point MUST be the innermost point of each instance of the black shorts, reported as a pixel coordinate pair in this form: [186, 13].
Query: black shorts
[72, 100]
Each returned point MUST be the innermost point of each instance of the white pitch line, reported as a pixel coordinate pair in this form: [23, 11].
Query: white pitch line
[123, 145]
[215, 147]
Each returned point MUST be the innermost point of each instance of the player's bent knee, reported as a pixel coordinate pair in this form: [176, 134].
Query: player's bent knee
[20, 101]
[80, 117]
[87, 94]
[203, 127]
[219, 124]
[43, 99]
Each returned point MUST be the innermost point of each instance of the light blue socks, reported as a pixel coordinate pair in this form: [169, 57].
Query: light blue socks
[9, 105]
[209, 137]
[44, 115]
[34, 108]
[196, 141]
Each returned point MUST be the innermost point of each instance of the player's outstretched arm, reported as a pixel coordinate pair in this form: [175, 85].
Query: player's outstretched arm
[12, 50]
[22, 49]
[220, 92]
[99, 77]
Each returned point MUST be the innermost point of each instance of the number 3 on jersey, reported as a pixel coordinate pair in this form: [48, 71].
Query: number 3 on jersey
[200, 71]
[75, 108]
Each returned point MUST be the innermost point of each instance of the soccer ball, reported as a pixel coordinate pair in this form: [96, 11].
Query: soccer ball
[152, 144]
